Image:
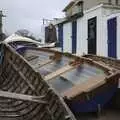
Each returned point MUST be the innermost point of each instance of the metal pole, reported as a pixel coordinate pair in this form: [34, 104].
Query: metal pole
[1, 16]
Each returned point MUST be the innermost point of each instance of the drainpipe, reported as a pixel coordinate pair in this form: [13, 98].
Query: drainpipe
[116, 2]
[1, 16]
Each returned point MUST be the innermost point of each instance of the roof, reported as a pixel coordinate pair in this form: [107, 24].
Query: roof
[68, 6]
[78, 2]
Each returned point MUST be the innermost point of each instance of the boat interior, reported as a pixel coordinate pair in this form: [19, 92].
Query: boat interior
[70, 75]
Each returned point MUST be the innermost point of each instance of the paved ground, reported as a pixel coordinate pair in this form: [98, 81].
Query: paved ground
[106, 115]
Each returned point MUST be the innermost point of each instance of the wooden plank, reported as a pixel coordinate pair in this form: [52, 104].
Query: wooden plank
[16, 96]
[87, 86]
[43, 63]
[60, 102]
[23, 77]
[64, 78]
[30, 58]
[103, 65]
[58, 72]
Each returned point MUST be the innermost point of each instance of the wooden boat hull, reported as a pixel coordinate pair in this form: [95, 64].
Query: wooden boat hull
[91, 100]
[114, 63]
[24, 95]
[98, 102]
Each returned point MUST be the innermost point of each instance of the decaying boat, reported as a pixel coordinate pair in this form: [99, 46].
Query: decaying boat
[113, 63]
[17, 42]
[24, 95]
[85, 85]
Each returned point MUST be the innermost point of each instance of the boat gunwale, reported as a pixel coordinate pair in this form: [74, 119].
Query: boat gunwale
[110, 72]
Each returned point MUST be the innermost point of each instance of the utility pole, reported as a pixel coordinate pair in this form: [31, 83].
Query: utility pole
[1, 24]
[46, 20]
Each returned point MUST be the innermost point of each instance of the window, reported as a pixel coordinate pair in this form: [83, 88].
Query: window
[110, 1]
[80, 6]
[116, 2]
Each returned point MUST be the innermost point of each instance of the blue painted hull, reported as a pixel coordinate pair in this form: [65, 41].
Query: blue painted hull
[21, 50]
[92, 105]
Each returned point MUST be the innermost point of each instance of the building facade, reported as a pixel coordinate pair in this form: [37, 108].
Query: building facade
[90, 27]
[88, 4]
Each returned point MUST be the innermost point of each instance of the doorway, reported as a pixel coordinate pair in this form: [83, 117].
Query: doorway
[92, 27]
[112, 37]
[74, 36]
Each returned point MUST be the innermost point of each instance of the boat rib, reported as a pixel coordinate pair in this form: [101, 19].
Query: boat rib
[24, 95]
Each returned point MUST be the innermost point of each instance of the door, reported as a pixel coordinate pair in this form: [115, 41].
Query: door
[112, 37]
[92, 27]
[46, 34]
[74, 36]
[60, 35]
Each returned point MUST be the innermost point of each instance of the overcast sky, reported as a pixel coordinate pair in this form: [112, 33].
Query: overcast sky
[28, 14]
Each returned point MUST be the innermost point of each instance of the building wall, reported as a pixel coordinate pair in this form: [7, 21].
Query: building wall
[91, 3]
[56, 32]
[82, 46]
[67, 37]
[102, 15]
[73, 10]
[69, 12]
[81, 37]
[114, 2]
[82, 31]
[42, 33]
[106, 15]
[88, 4]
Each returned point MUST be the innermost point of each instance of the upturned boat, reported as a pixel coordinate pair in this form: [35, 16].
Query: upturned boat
[24, 95]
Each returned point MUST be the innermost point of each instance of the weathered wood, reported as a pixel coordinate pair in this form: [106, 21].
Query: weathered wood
[85, 86]
[23, 77]
[111, 62]
[104, 66]
[43, 63]
[26, 92]
[16, 96]
[27, 82]
[58, 72]
[31, 58]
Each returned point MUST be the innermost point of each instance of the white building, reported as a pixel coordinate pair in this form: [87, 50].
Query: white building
[91, 27]
[93, 31]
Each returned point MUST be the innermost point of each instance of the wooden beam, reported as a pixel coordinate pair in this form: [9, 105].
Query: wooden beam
[104, 66]
[87, 86]
[30, 58]
[58, 72]
[43, 63]
[37, 99]
[23, 77]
